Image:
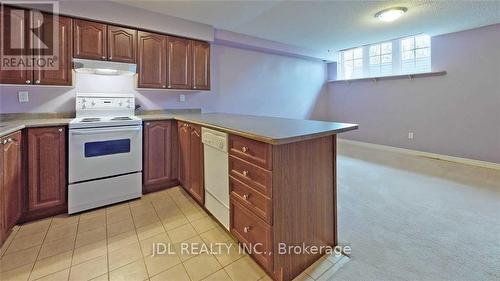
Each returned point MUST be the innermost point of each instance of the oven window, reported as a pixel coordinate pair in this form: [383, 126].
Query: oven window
[100, 148]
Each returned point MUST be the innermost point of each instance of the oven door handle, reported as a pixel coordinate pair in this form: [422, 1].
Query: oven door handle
[100, 131]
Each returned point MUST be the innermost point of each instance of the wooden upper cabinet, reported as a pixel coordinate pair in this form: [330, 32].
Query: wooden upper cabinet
[122, 43]
[152, 60]
[158, 154]
[46, 168]
[89, 40]
[15, 42]
[12, 177]
[61, 72]
[179, 65]
[201, 65]
[196, 186]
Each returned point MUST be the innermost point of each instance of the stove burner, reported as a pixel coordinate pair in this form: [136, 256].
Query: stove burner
[92, 119]
[121, 118]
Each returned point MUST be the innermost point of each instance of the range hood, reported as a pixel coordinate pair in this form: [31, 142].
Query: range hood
[104, 67]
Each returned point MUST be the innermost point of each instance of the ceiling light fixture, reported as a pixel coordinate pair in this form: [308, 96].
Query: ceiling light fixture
[391, 14]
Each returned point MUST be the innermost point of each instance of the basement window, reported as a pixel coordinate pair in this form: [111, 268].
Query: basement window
[409, 55]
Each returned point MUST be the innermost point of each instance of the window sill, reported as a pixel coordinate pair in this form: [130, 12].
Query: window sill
[393, 77]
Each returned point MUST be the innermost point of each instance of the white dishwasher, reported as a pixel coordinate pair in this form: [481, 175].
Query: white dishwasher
[215, 162]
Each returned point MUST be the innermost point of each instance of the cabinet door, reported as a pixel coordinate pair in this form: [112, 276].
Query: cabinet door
[13, 23]
[157, 154]
[89, 40]
[152, 61]
[179, 66]
[196, 165]
[201, 65]
[12, 179]
[122, 44]
[61, 72]
[2, 228]
[184, 135]
[46, 168]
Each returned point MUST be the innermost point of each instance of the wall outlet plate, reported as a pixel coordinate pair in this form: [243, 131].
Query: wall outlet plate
[23, 96]
[182, 98]
[410, 135]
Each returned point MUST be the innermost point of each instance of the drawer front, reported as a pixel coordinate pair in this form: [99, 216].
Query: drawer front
[254, 233]
[250, 198]
[254, 176]
[255, 152]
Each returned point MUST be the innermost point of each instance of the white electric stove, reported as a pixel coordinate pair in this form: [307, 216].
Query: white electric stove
[105, 151]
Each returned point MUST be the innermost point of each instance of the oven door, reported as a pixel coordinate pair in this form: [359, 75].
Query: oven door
[104, 152]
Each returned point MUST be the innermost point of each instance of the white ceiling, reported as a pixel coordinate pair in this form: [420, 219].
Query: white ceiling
[329, 25]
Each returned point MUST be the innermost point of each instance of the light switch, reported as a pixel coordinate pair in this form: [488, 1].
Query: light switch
[182, 98]
[23, 96]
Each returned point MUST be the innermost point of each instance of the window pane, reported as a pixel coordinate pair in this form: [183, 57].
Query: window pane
[358, 53]
[422, 41]
[348, 55]
[375, 60]
[408, 55]
[374, 50]
[407, 44]
[386, 59]
[386, 48]
[422, 53]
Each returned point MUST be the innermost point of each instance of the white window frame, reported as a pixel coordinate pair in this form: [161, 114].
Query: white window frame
[396, 59]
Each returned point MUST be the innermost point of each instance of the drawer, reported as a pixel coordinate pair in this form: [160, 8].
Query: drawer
[254, 176]
[253, 233]
[250, 198]
[255, 152]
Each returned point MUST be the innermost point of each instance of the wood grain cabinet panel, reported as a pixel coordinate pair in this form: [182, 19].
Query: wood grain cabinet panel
[159, 156]
[10, 183]
[252, 175]
[61, 74]
[255, 152]
[179, 66]
[252, 199]
[47, 169]
[12, 178]
[201, 65]
[89, 40]
[14, 33]
[152, 62]
[184, 135]
[252, 232]
[122, 43]
[196, 184]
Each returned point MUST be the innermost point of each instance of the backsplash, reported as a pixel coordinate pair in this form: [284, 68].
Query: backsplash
[62, 99]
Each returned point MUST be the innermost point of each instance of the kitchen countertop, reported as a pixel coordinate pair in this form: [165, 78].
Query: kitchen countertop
[271, 130]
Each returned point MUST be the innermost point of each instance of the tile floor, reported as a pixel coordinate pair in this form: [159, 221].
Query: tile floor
[116, 243]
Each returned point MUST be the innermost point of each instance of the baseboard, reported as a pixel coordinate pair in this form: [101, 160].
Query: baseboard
[473, 162]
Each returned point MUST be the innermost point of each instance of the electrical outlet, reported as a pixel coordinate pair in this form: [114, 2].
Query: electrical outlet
[410, 135]
[182, 98]
[23, 96]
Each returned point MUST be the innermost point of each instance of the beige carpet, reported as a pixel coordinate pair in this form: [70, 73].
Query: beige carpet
[415, 218]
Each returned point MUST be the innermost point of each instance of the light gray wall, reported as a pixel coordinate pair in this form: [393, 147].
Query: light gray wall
[457, 114]
[243, 81]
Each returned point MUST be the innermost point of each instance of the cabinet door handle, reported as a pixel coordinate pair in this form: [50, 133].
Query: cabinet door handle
[3, 142]
[147, 124]
[110, 58]
[28, 81]
[246, 229]
[245, 173]
[245, 149]
[103, 57]
[60, 130]
[163, 86]
[246, 196]
[37, 81]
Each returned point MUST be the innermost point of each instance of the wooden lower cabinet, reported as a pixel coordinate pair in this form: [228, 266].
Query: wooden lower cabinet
[160, 155]
[46, 172]
[283, 195]
[10, 182]
[191, 160]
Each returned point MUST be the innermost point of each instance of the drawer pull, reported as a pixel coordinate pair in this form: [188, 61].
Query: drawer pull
[246, 229]
[245, 149]
[246, 196]
[245, 173]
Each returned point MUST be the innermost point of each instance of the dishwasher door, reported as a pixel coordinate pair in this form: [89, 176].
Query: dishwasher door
[216, 170]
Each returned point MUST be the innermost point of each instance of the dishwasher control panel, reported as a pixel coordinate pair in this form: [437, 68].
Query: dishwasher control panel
[214, 139]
